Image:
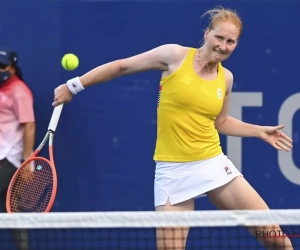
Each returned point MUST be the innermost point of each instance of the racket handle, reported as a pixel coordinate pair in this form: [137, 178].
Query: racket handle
[55, 117]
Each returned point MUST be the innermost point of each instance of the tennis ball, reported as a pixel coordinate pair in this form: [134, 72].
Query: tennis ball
[70, 61]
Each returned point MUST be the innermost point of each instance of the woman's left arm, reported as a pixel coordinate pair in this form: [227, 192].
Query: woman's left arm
[230, 126]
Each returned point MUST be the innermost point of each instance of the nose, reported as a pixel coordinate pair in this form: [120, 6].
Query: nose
[223, 46]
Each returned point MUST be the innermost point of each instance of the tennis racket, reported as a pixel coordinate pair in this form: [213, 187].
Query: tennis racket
[34, 185]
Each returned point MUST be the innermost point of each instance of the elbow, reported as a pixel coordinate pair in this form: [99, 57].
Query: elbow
[121, 68]
[218, 127]
[219, 124]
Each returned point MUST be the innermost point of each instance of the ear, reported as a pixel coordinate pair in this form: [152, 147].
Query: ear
[206, 34]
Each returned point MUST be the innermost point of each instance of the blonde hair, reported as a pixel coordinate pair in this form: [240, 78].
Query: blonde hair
[220, 14]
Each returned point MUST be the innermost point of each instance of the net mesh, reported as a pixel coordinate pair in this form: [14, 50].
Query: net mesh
[137, 230]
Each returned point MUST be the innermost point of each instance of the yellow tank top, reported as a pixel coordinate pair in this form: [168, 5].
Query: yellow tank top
[186, 110]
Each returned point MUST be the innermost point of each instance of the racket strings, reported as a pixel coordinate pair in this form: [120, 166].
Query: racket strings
[32, 188]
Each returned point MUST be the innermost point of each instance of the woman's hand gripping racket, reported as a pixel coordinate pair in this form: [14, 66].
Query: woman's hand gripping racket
[33, 186]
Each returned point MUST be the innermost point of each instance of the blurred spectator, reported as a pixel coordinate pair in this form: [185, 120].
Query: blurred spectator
[17, 129]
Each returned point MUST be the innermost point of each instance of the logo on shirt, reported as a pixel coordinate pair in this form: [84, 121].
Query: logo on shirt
[219, 93]
[227, 170]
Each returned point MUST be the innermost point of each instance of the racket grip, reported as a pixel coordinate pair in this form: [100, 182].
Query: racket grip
[55, 117]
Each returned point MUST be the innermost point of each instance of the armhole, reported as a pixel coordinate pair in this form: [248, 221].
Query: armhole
[190, 50]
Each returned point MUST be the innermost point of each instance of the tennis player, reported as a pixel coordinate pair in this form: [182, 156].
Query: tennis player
[194, 97]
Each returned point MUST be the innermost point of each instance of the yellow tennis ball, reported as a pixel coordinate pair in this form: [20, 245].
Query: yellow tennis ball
[70, 61]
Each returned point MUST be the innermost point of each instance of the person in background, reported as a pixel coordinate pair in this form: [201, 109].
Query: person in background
[17, 129]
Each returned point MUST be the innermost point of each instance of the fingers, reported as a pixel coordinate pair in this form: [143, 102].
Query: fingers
[277, 147]
[279, 127]
[284, 142]
[281, 146]
[56, 102]
[285, 137]
[61, 95]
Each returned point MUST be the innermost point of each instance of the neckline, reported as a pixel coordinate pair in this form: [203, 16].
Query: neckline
[202, 79]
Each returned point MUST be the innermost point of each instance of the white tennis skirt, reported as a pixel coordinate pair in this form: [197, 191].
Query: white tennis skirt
[181, 181]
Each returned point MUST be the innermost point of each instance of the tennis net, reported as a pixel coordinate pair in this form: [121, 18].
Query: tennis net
[137, 230]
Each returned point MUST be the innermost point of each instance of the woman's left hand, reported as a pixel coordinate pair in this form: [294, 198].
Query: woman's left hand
[276, 138]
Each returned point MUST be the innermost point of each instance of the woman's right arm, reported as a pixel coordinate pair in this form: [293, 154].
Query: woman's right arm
[158, 58]
[155, 59]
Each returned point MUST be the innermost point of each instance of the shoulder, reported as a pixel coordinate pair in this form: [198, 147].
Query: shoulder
[21, 89]
[173, 50]
[179, 49]
[228, 77]
[174, 53]
[174, 47]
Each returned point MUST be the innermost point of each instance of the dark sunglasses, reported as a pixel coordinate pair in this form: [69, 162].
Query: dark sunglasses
[3, 66]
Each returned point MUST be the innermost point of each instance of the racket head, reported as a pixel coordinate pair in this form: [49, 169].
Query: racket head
[33, 187]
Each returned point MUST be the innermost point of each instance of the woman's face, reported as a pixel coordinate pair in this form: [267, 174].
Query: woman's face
[221, 41]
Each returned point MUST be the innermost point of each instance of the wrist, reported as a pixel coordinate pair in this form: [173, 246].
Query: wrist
[259, 131]
[75, 85]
